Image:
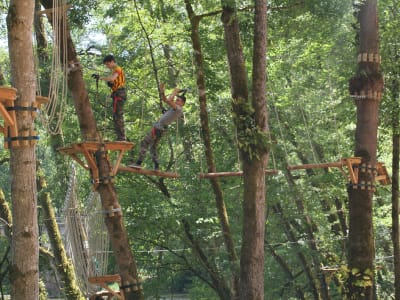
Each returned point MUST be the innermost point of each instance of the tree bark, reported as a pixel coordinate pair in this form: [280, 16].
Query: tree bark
[25, 247]
[366, 88]
[125, 261]
[250, 117]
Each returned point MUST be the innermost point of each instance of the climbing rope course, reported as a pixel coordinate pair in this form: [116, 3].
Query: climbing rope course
[86, 238]
[54, 111]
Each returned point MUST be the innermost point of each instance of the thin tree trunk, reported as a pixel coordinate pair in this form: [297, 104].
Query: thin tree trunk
[277, 208]
[25, 247]
[320, 282]
[217, 282]
[287, 270]
[219, 197]
[366, 88]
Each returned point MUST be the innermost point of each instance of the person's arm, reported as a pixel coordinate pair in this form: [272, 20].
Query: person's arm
[170, 99]
[112, 77]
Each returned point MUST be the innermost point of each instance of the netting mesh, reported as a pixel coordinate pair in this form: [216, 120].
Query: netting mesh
[86, 237]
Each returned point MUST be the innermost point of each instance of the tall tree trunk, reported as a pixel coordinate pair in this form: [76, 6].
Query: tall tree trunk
[25, 248]
[395, 185]
[125, 261]
[219, 196]
[251, 123]
[366, 88]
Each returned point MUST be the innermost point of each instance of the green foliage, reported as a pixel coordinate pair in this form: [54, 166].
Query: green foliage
[354, 281]
[311, 57]
[252, 140]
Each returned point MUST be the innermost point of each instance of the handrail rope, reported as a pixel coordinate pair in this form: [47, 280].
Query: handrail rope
[282, 135]
[237, 149]
[308, 135]
[337, 136]
[271, 149]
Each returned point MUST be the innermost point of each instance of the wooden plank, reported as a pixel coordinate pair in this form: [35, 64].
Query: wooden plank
[6, 116]
[117, 163]
[315, 166]
[50, 10]
[338, 164]
[105, 279]
[353, 175]
[118, 145]
[149, 172]
[383, 175]
[233, 174]
[8, 93]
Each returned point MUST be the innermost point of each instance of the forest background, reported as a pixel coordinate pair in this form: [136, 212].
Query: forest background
[311, 57]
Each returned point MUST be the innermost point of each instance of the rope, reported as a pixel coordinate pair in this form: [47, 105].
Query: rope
[55, 110]
[282, 135]
[87, 241]
[308, 135]
[271, 149]
[337, 135]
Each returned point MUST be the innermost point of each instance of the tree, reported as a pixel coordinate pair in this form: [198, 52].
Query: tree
[88, 129]
[366, 87]
[25, 248]
[219, 196]
[250, 118]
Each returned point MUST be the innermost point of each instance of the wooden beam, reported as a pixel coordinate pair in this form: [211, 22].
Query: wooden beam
[149, 172]
[6, 116]
[7, 93]
[316, 166]
[103, 280]
[50, 10]
[232, 174]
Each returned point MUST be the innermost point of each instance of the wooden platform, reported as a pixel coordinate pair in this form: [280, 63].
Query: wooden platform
[86, 151]
[233, 174]
[148, 172]
[352, 164]
[103, 282]
[12, 137]
[382, 174]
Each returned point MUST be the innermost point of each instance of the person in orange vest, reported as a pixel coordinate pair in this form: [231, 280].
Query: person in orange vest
[116, 81]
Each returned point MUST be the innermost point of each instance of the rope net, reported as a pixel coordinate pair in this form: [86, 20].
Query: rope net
[54, 111]
[86, 238]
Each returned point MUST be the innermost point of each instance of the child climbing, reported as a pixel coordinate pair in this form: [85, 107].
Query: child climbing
[176, 102]
[116, 81]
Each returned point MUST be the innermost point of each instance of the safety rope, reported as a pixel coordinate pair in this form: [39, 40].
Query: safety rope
[55, 110]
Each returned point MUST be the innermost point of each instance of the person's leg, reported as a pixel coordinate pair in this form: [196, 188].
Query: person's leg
[118, 118]
[144, 146]
[153, 148]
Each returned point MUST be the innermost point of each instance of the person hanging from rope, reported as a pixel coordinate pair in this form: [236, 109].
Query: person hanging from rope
[116, 81]
[176, 101]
